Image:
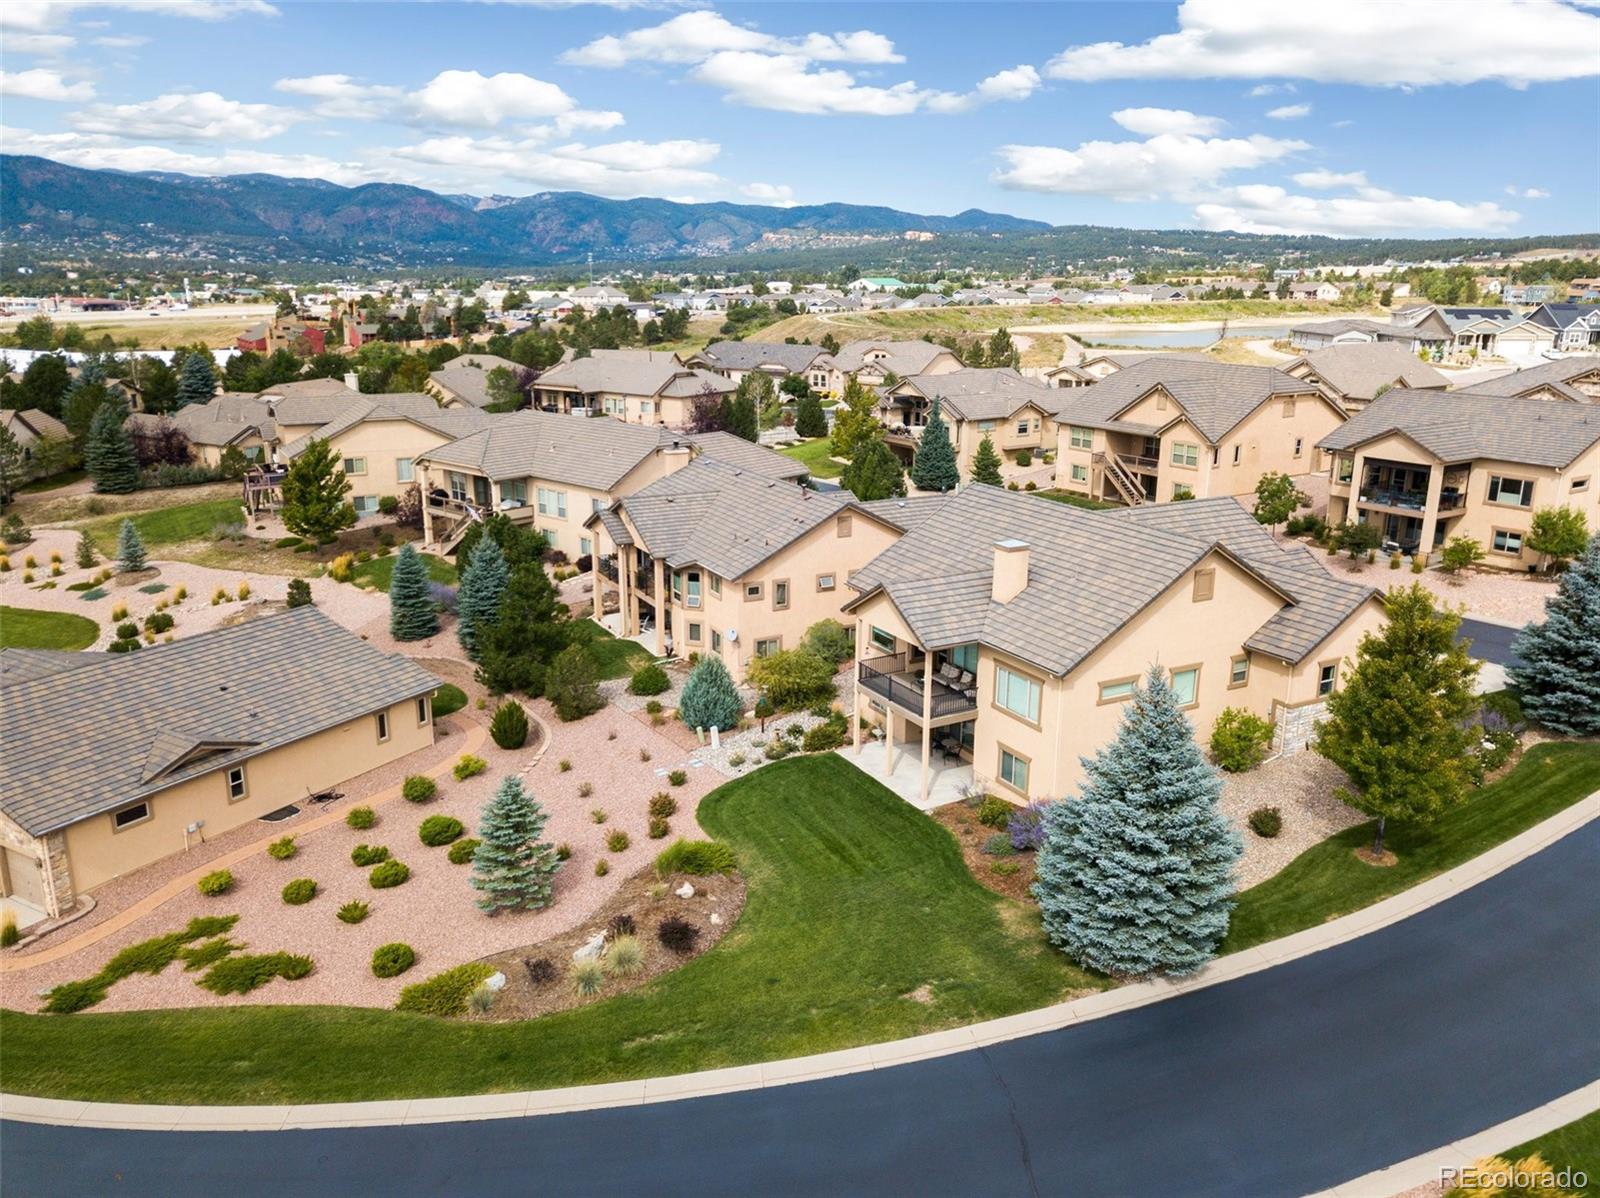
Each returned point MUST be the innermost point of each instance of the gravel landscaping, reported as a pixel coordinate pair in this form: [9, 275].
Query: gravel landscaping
[1301, 787]
[1500, 596]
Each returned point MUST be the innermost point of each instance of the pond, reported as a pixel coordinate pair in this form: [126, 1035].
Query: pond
[1186, 338]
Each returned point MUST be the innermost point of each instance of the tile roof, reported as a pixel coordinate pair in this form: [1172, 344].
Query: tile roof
[585, 451]
[452, 423]
[902, 357]
[42, 423]
[1357, 371]
[751, 355]
[1557, 376]
[979, 394]
[630, 372]
[467, 377]
[246, 689]
[1215, 396]
[739, 453]
[1459, 426]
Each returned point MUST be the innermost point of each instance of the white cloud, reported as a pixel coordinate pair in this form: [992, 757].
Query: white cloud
[1527, 193]
[786, 83]
[38, 43]
[41, 15]
[459, 99]
[125, 41]
[41, 84]
[1373, 42]
[1269, 89]
[619, 169]
[1261, 208]
[1289, 112]
[780, 195]
[696, 36]
[105, 153]
[1164, 166]
[342, 97]
[186, 116]
[1018, 83]
[1148, 122]
[1323, 180]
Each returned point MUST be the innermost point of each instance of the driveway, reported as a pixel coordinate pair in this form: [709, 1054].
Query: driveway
[1282, 1082]
[1490, 642]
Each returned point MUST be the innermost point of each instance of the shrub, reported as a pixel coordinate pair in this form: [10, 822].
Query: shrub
[698, 857]
[1461, 553]
[462, 851]
[439, 830]
[585, 789]
[644, 754]
[824, 736]
[736, 759]
[509, 728]
[361, 818]
[998, 845]
[341, 568]
[601, 868]
[618, 841]
[1005, 868]
[793, 679]
[588, 977]
[160, 621]
[677, 935]
[1266, 822]
[625, 956]
[1239, 740]
[216, 882]
[179, 595]
[128, 631]
[240, 975]
[649, 679]
[572, 684]
[1025, 825]
[389, 874]
[830, 640]
[300, 891]
[9, 934]
[289, 542]
[541, 971]
[659, 827]
[244, 589]
[352, 912]
[468, 767]
[663, 804]
[481, 999]
[448, 699]
[778, 750]
[368, 854]
[282, 849]
[564, 766]
[678, 777]
[994, 812]
[391, 960]
[653, 707]
[446, 993]
[388, 505]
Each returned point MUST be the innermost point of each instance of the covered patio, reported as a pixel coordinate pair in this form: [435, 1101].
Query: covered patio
[948, 778]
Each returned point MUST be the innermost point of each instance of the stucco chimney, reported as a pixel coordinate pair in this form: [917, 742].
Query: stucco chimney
[352, 381]
[1010, 570]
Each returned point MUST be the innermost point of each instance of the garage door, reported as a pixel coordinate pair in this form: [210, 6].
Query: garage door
[23, 879]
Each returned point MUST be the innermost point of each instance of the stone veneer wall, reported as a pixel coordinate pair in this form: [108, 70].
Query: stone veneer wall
[1293, 727]
[51, 852]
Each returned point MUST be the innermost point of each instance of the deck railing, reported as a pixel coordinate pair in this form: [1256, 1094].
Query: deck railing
[890, 678]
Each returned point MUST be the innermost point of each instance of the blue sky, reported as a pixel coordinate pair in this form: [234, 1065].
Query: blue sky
[1361, 117]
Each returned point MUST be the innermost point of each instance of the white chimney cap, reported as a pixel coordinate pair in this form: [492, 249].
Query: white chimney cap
[1010, 543]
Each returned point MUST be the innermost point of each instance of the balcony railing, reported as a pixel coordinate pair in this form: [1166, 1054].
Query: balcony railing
[891, 677]
[1414, 501]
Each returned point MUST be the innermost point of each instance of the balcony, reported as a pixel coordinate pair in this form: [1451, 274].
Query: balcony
[895, 678]
[1410, 501]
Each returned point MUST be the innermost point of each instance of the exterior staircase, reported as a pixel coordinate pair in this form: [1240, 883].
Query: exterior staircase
[1122, 479]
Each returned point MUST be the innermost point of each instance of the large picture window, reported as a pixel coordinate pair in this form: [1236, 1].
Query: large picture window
[1017, 693]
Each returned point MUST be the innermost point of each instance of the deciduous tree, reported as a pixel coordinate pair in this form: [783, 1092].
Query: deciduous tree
[1277, 498]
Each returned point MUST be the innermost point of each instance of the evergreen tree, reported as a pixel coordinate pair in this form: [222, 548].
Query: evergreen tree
[855, 420]
[1135, 875]
[512, 869]
[810, 420]
[1559, 678]
[572, 684]
[934, 467]
[743, 420]
[86, 552]
[411, 613]
[108, 452]
[130, 548]
[1002, 352]
[197, 381]
[516, 648]
[299, 593]
[1399, 724]
[86, 400]
[874, 473]
[483, 582]
[10, 464]
[314, 491]
[986, 464]
[709, 698]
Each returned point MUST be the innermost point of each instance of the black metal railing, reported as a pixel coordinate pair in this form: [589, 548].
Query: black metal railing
[890, 678]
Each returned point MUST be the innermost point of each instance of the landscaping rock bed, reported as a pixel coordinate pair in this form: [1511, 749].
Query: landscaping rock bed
[1301, 787]
[1016, 870]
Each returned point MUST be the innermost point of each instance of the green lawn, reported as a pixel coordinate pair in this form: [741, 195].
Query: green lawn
[613, 657]
[51, 482]
[1328, 880]
[24, 628]
[1575, 1146]
[380, 570]
[168, 525]
[856, 900]
[814, 456]
[1075, 500]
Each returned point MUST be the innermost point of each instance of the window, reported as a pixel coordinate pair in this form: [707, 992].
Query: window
[1081, 438]
[692, 588]
[883, 640]
[1017, 693]
[769, 646]
[677, 587]
[365, 505]
[1514, 492]
[716, 641]
[780, 594]
[1205, 584]
[1116, 692]
[1237, 449]
[1080, 474]
[1580, 484]
[1014, 770]
[514, 492]
[1343, 471]
[963, 657]
[129, 816]
[1186, 686]
[1022, 428]
[1239, 671]
[1185, 454]
[826, 582]
[405, 470]
[355, 465]
[237, 787]
[986, 426]
[752, 591]
[1299, 442]
[716, 584]
[694, 633]
[596, 506]
[646, 408]
[1216, 456]
[383, 726]
[585, 547]
[1327, 675]
[458, 486]
[1182, 491]
[1507, 541]
[842, 526]
[552, 503]
[422, 711]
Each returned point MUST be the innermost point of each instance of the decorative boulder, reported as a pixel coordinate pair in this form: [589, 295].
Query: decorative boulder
[591, 949]
[685, 891]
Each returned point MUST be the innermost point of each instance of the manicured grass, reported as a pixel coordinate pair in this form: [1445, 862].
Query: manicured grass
[24, 628]
[814, 456]
[1328, 880]
[448, 699]
[168, 525]
[1575, 1146]
[1075, 500]
[856, 900]
[50, 483]
[613, 657]
[380, 570]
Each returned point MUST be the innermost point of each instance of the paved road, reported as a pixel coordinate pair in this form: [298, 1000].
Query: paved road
[1280, 1083]
[1491, 642]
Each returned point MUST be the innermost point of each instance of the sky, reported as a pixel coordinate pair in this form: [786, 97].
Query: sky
[1352, 117]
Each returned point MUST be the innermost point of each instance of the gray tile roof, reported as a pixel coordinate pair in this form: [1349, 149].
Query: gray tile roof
[1089, 574]
[978, 394]
[247, 689]
[586, 451]
[752, 355]
[1357, 371]
[467, 377]
[1460, 426]
[1215, 396]
[630, 372]
[1557, 376]
[1388, 332]
[457, 422]
[303, 388]
[24, 665]
[739, 453]
[904, 513]
[903, 357]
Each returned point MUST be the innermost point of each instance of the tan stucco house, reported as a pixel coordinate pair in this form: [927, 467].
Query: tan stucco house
[636, 386]
[733, 360]
[872, 362]
[1015, 413]
[463, 382]
[1357, 374]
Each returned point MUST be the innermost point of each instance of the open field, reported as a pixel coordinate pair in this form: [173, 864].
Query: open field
[216, 325]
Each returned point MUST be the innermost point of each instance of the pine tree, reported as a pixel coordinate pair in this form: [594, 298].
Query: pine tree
[934, 467]
[130, 548]
[197, 381]
[1135, 875]
[11, 463]
[86, 552]
[986, 464]
[108, 452]
[743, 420]
[314, 491]
[709, 698]
[1002, 351]
[483, 583]
[411, 613]
[809, 419]
[299, 593]
[1559, 678]
[512, 869]
[516, 648]
[874, 473]
[572, 684]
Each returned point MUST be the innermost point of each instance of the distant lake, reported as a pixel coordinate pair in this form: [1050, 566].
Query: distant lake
[1187, 338]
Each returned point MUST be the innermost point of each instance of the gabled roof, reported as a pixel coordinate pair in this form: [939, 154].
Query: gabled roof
[902, 357]
[585, 451]
[1557, 376]
[304, 388]
[741, 454]
[381, 409]
[978, 394]
[238, 691]
[467, 377]
[630, 372]
[1459, 426]
[41, 424]
[1357, 371]
[754, 355]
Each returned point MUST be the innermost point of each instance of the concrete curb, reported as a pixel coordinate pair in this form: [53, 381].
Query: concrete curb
[832, 1064]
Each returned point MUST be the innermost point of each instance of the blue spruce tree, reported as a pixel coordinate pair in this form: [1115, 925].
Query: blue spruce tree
[197, 381]
[709, 699]
[483, 583]
[1559, 678]
[934, 466]
[1135, 875]
[512, 869]
[411, 613]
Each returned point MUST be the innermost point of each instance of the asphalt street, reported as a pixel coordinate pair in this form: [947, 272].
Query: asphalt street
[1490, 642]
